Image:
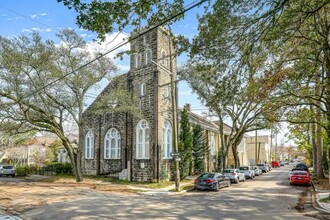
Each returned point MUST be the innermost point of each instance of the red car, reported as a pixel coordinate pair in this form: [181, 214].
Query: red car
[275, 164]
[300, 177]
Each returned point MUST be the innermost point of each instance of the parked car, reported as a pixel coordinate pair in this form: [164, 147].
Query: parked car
[7, 170]
[248, 171]
[300, 177]
[263, 167]
[295, 169]
[302, 166]
[234, 175]
[269, 167]
[281, 163]
[275, 164]
[257, 170]
[212, 181]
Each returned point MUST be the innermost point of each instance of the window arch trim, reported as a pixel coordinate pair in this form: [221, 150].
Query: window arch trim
[112, 144]
[142, 140]
[167, 140]
[89, 145]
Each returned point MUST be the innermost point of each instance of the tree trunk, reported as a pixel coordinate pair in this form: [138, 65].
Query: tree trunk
[75, 160]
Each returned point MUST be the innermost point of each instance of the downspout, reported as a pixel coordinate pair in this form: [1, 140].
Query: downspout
[156, 145]
[98, 164]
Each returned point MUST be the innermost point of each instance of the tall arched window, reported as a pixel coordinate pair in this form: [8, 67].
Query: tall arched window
[167, 140]
[112, 144]
[138, 60]
[147, 56]
[143, 88]
[142, 140]
[89, 145]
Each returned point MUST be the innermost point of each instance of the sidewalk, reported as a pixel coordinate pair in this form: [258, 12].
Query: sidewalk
[320, 194]
[164, 191]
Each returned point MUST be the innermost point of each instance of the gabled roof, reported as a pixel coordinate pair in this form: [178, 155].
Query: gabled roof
[204, 122]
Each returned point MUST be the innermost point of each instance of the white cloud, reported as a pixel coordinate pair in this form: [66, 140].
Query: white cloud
[26, 30]
[41, 29]
[38, 15]
[123, 68]
[187, 92]
[109, 44]
[37, 30]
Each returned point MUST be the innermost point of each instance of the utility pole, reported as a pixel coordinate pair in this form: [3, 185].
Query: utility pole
[175, 135]
[175, 153]
[256, 147]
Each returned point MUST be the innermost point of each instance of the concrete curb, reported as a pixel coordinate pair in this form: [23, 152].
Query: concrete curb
[316, 196]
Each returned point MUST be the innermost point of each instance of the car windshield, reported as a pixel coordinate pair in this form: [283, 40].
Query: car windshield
[261, 164]
[7, 167]
[299, 173]
[229, 171]
[207, 175]
[244, 168]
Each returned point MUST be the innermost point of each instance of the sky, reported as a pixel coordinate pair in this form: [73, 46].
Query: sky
[47, 17]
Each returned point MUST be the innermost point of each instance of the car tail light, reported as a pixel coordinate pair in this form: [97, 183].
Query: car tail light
[196, 181]
[209, 181]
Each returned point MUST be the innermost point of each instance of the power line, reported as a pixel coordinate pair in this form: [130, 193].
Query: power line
[116, 47]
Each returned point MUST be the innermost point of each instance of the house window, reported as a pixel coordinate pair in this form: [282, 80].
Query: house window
[112, 144]
[147, 56]
[167, 140]
[138, 60]
[212, 144]
[143, 88]
[89, 145]
[142, 140]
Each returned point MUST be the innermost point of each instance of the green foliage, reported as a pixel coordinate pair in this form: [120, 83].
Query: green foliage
[163, 174]
[200, 149]
[23, 170]
[106, 16]
[59, 168]
[185, 144]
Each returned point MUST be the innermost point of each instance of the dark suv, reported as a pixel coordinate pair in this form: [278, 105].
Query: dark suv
[301, 166]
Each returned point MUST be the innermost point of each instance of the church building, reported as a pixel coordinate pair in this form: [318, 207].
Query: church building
[139, 148]
[119, 142]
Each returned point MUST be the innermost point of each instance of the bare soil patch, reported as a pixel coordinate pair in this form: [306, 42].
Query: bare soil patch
[20, 197]
[322, 184]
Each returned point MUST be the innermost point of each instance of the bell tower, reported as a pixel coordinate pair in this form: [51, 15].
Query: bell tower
[150, 82]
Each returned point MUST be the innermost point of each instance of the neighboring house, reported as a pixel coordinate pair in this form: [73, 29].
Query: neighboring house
[140, 148]
[62, 153]
[261, 149]
[33, 152]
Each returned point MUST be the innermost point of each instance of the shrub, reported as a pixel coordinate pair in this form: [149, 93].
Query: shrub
[59, 168]
[163, 174]
[22, 170]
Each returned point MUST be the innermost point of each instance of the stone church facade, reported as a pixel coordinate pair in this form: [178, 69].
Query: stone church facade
[139, 148]
[113, 142]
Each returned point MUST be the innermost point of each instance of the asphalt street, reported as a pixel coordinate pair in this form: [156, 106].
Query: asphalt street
[266, 197]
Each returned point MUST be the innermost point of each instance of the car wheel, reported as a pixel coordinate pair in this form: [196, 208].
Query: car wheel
[217, 187]
[13, 175]
[228, 183]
